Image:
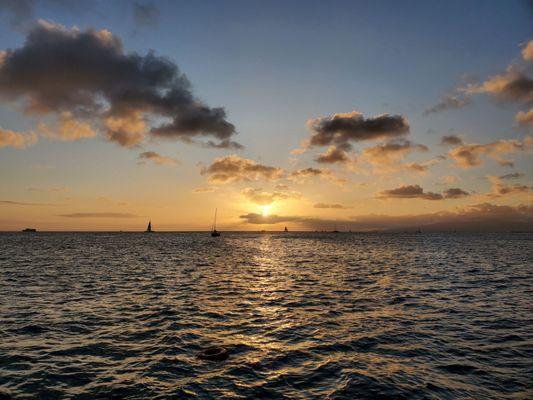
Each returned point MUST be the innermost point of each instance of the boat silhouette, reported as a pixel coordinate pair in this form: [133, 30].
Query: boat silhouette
[149, 227]
[29, 230]
[214, 232]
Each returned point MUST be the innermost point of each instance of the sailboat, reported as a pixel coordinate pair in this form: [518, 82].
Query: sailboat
[149, 227]
[286, 230]
[214, 232]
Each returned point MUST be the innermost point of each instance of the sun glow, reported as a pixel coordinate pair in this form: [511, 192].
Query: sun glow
[265, 210]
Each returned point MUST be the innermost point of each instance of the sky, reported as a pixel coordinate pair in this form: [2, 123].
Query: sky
[307, 114]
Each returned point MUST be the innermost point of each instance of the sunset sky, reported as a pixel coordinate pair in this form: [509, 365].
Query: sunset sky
[306, 114]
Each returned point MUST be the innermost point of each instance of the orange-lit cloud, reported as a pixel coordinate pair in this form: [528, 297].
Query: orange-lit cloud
[67, 128]
[525, 117]
[500, 189]
[469, 155]
[16, 139]
[262, 198]
[527, 51]
[331, 205]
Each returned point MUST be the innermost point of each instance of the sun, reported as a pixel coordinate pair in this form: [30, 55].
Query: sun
[265, 210]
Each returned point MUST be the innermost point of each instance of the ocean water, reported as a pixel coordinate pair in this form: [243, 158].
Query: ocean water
[299, 315]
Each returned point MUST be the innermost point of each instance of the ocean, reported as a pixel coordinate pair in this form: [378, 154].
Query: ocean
[289, 315]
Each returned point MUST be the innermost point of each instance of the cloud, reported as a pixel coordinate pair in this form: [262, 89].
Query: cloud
[204, 190]
[307, 173]
[500, 189]
[262, 198]
[514, 175]
[23, 203]
[391, 152]
[452, 140]
[67, 128]
[525, 117]
[100, 215]
[157, 158]
[145, 14]
[448, 102]
[88, 74]
[234, 168]
[409, 192]
[341, 129]
[469, 155]
[333, 155]
[512, 86]
[16, 139]
[455, 193]
[479, 217]
[327, 205]
[527, 51]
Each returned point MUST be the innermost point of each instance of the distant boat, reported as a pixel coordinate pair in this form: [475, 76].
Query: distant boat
[418, 230]
[149, 227]
[286, 230]
[214, 232]
[335, 229]
[29, 230]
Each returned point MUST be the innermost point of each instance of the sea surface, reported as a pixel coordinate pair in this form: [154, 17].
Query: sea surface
[298, 315]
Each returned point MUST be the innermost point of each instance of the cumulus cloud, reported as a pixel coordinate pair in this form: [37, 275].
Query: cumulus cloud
[469, 155]
[307, 172]
[234, 168]
[479, 217]
[448, 102]
[455, 193]
[333, 155]
[341, 129]
[409, 192]
[16, 139]
[146, 14]
[100, 215]
[156, 158]
[263, 198]
[452, 140]
[89, 75]
[524, 117]
[328, 205]
[527, 51]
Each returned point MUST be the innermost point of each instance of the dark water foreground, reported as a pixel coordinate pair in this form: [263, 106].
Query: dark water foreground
[302, 316]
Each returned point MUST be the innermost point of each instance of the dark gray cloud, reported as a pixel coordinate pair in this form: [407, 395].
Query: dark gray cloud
[333, 155]
[448, 102]
[451, 140]
[145, 14]
[409, 192]
[307, 172]
[479, 217]
[341, 129]
[88, 74]
[455, 193]
[100, 215]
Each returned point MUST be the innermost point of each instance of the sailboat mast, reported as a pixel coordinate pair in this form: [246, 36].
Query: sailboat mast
[215, 223]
